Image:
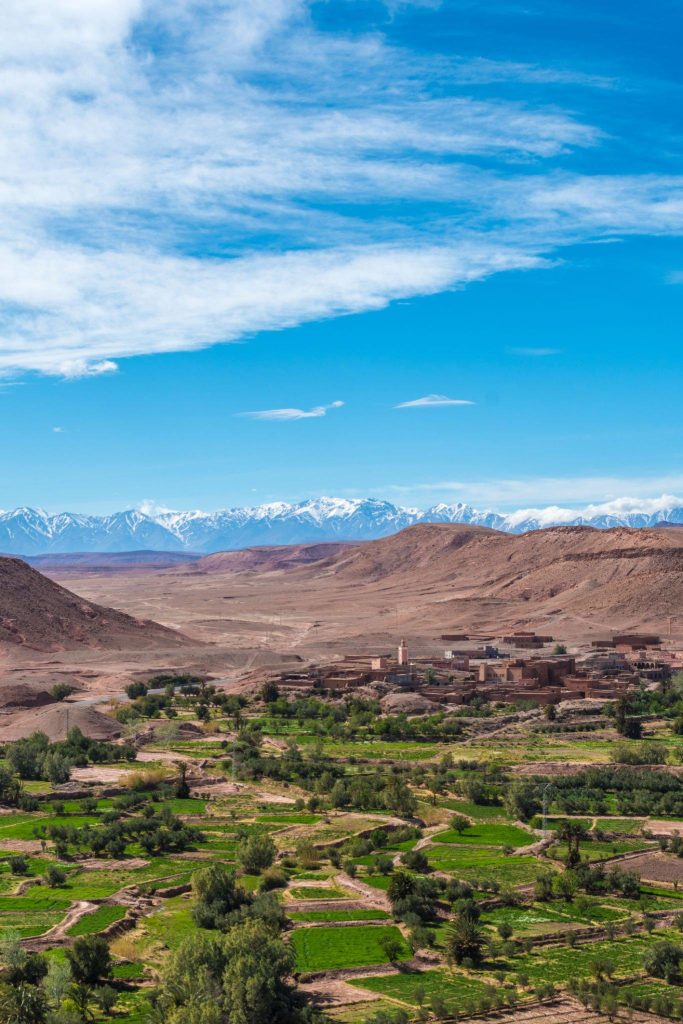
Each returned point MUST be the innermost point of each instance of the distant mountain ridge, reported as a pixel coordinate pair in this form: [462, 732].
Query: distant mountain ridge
[26, 531]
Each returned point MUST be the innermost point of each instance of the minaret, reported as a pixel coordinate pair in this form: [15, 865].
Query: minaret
[403, 653]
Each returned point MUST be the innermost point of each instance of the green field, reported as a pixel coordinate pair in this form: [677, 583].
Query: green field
[319, 892]
[290, 819]
[594, 850]
[542, 918]
[558, 965]
[338, 915]
[377, 881]
[472, 863]
[324, 949]
[630, 826]
[342, 801]
[97, 921]
[417, 988]
[480, 812]
[487, 835]
[374, 749]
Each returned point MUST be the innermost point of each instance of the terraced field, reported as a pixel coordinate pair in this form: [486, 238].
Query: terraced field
[396, 878]
[333, 949]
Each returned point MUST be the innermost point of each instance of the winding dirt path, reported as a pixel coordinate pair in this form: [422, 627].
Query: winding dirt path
[372, 897]
[57, 935]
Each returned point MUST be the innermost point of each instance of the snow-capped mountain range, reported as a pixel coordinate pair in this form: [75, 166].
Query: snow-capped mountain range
[26, 531]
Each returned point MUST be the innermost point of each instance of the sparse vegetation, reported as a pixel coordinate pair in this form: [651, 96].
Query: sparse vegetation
[309, 823]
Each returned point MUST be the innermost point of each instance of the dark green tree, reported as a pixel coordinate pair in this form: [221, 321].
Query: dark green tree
[464, 940]
[401, 885]
[237, 978]
[22, 1004]
[256, 852]
[90, 960]
[181, 788]
[216, 896]
[572, 833]
[663, 960]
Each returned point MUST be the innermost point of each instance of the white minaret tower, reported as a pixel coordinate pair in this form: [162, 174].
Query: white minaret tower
[403, 653]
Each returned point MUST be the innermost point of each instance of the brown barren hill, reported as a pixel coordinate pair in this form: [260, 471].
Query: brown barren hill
[269, 559]
[575, 583]
[439, 575]
[37, 613]
[577, 568]
[56, 720]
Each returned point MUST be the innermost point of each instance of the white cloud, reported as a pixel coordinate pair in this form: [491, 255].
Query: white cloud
[638, 204]
[604, 493]
[307, 164]
[129, 305]
[483, 71]
[58, 430]
[618, 507]
[292, 414]
[81, 367]
[150, 507]
[432, 400]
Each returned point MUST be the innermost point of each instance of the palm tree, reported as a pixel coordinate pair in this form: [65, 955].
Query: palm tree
[572, 833]
[464, 940]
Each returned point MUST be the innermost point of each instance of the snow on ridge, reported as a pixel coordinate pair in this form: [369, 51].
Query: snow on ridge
[26, 531]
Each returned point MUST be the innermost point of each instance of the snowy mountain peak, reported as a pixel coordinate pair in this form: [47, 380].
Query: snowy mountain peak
[28, 531]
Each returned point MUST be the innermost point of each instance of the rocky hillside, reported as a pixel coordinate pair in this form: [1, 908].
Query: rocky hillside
[37, 613]
[623, 574]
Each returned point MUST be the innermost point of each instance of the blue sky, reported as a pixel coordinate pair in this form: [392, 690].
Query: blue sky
[258, 250]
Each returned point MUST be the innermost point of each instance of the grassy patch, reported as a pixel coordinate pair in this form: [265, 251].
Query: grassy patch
[595, 849]
[98, 920]
[653, 990]
[418, 987]
[291, 819]
[472, 863]
[542, 918]
[360, 1013]
[325, 949]
[385, 750]
[480, 812]
[319, 892]
[377, 881]
[629, 826]
[128, 972]
[339, 915]
[25, 826]
[487, 835]
[559, 965]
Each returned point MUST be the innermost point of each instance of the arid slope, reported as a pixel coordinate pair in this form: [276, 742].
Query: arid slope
[575, 582]
[269, 559]
[39, 614]
[574, 568]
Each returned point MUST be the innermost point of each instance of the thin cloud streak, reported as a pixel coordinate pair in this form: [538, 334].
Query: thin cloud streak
[535, 352]
[598, 491]
[431, 401]
[292, 414]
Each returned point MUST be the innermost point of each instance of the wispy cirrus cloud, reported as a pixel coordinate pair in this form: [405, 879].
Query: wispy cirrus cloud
[532, 352]
[179, 174]
[601, 494]
[292, 414]
[431, 401]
